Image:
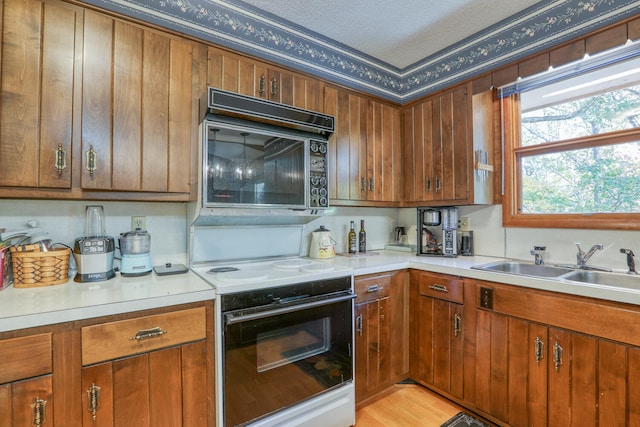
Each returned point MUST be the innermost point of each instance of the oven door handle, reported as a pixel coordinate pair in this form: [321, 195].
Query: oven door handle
[231, 318]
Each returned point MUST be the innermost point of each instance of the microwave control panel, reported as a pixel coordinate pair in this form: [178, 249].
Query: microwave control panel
[319, 185]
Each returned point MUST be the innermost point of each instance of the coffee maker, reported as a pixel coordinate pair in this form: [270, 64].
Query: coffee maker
[438, 231]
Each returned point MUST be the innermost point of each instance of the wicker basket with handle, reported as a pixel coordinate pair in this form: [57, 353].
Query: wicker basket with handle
[36, 268]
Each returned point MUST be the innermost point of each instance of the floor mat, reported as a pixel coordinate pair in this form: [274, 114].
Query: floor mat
[464, 420]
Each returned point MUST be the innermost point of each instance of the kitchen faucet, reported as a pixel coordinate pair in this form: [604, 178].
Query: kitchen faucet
[630, 260]
[538, 252]
[583, 257]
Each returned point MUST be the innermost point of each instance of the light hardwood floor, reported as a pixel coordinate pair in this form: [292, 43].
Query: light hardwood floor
[407, 405]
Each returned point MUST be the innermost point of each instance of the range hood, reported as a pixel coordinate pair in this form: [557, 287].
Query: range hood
[224, 103]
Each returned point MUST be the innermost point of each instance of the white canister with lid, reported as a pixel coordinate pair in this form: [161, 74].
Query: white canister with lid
[322, 244]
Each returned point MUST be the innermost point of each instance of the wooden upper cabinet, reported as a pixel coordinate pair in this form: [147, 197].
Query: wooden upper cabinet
[239, 74]
[37, 67]
[137, 120]
[365, 153]
[445, 137]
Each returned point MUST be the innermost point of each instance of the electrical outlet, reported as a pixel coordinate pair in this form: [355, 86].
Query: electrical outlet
[139, 222]
[464, 224]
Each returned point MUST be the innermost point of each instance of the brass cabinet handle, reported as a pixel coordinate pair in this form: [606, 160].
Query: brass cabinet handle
[539, 349]
[92, 160]
[437, 183]
[94, 400]
[274, 87]
[261, 85]
[144, 334]
[363, 184]
[427, 184]
[439, 288]
[359, 324]
[39, 407]
[557, 355]
[371, 186]
[60, 159]
[457, 325]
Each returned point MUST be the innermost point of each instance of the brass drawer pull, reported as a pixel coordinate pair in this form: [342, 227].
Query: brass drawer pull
[94, 400]
[144, 334]
[39, 407]
[373, 288]
[557, 356]
[92, 160]
[439, 288]
[61, 159]
[539, 347]
[261, 85]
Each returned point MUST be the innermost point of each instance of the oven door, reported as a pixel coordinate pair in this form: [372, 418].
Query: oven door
[276, 358]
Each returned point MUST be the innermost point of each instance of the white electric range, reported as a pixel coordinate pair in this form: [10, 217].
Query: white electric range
[268, 298]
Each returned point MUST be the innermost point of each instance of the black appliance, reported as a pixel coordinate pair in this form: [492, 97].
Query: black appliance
[283, 346]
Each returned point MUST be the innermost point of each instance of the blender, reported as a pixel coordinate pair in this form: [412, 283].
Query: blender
[134, 247]
[94, 251]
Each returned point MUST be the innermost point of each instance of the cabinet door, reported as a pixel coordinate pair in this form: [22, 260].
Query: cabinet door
[37, 88]
[452, 180]
[373, 369]
[418, 152]
[347, 146]
[161, 388]
[440, 344]
[137, 121]
[438, 148]
[290, 89]
[27, 403]
[384, 154]
[572, 375]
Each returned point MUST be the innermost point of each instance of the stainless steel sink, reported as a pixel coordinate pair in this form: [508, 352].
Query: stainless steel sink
[605, 279]
[524, 269]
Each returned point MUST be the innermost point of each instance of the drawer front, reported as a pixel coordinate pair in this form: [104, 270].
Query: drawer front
[25, 357]
[133, 336]
[372, 287]
[443, 287]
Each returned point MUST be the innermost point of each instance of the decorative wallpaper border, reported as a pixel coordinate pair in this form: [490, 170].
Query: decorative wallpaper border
[243, 28]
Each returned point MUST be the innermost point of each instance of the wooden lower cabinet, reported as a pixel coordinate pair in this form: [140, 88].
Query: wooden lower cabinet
[26, 386]
[162, 388]
[381, 332]
[437, 332]
[112, 371]
[550, 361]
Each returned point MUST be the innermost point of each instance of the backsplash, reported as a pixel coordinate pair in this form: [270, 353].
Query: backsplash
[167, 224]
[65, 220]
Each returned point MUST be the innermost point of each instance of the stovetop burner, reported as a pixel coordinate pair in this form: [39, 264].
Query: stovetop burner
[222, 269]
[248, 275]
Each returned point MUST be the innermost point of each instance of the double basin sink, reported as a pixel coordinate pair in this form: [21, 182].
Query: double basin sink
[591, 277]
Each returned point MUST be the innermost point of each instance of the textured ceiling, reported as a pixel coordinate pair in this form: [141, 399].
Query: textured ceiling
[399, 32]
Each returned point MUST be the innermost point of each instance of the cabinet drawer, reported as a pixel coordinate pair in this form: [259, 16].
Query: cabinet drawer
[25, 357]
[372, 287]
[448, 288]
[127, 337]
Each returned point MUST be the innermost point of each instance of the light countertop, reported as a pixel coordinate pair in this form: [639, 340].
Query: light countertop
[29, 307]
[394, 260]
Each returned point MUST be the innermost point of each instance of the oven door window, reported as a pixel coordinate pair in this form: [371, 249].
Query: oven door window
[245, 167]
[276, 362]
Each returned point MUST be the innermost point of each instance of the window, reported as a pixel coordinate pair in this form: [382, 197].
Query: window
[572, 149]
